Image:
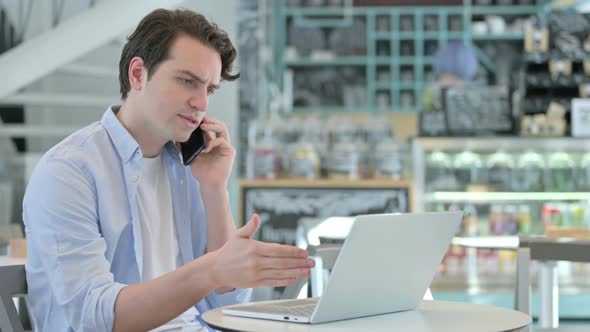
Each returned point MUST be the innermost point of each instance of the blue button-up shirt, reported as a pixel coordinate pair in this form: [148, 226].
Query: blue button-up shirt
[82, 227]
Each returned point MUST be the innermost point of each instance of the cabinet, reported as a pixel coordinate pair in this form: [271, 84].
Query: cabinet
[506, 186]
[281, 204]
[372, 58]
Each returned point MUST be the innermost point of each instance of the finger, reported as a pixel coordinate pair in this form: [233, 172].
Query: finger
[276, 282]
[283, 273]
[217, 126]
[219, 129]
[218, 142]
[286, 263]
[279, 250]
[209, 135]
[250, 228]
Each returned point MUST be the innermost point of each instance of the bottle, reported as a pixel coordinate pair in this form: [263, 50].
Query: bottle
[510, 222]
[471, 221]
[584, 172]
[561, 172]
[496, 222]
[524, 219]
[529, 173]
[500, 166]
[468, 168]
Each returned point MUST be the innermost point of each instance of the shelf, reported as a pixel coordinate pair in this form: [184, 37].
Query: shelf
[508, 143]
[324, 183]
[383, 86]
[498, 281]
[458, 196]
[487, 242]
[504, 10]
[430, 35]
[451, 10]
[330, 109]
[407, 86]
[383, 35]
[336, 61]
[499, 37]
[378, 10]
[412, 60]
[361, 109]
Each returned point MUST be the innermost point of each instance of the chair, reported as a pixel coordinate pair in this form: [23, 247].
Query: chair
[325, 257]
[13, 283]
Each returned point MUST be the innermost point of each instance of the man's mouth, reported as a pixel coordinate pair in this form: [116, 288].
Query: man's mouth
[189, 120]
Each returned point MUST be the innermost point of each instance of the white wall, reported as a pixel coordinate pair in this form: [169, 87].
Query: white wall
[223, 104]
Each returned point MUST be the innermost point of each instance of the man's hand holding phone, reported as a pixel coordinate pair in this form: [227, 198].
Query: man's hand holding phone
[213, 166]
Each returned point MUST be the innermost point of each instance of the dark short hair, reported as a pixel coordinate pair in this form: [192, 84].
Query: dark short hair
[154, 35]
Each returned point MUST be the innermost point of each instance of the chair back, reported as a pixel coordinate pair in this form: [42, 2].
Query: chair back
[13, 283]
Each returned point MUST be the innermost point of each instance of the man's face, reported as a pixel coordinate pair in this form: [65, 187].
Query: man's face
[175, 98]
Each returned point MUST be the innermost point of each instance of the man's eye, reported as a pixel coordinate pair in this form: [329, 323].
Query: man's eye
[210, 91]
[187, 81]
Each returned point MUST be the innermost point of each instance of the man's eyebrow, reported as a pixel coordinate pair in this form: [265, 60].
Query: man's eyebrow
[197, 77]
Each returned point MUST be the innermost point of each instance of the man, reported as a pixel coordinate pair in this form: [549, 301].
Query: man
[121, 235]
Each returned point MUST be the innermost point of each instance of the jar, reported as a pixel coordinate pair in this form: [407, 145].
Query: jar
[304, 162]
[263, 162]
[500, 166]
[344, 161]
[560, 172]
[389, 160]
[584, 173]
[468, 168]
[262, 159]
[529, 172]
[439, 172]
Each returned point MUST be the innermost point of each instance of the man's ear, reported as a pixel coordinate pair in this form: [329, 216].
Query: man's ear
[136, 73]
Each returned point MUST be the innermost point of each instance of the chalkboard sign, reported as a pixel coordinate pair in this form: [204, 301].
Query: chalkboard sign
[433, 123]
[478, 110]
[280, 209]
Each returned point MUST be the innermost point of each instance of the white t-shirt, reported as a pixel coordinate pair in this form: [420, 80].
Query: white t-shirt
[161, 252]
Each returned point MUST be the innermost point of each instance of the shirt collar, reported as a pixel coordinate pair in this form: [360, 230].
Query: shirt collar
[124, 143]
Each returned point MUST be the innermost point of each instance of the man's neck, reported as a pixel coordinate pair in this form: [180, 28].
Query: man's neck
[131, 119]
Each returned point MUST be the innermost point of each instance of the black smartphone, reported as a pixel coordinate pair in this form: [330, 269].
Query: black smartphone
[193, 146]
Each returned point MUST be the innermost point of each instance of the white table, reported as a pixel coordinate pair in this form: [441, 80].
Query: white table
[430, 316]
[7, 260]
[547, 251]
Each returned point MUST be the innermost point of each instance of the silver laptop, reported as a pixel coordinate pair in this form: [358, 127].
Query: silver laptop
[385, 265]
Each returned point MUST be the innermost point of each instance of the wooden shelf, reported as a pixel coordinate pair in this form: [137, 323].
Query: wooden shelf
[325, 183]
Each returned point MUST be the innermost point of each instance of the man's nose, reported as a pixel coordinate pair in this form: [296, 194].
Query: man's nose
[199, 101]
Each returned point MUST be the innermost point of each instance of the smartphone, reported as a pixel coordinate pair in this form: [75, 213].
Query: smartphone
[193, 146]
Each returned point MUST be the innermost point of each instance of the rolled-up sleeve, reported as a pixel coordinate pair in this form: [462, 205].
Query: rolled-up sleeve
[241, 295]
[63, 231]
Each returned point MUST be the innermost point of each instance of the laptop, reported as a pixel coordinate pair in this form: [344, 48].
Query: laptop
[386, 264]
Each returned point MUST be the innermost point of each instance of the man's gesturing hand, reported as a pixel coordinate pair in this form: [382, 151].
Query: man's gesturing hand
[245, 263]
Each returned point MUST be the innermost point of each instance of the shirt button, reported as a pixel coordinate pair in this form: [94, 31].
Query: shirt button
[134, 178]
[181, 181]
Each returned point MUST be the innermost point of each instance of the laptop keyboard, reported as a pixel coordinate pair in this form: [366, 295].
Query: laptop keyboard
[301, 308]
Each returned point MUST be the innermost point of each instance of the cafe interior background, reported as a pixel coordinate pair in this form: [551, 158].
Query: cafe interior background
[343, 108]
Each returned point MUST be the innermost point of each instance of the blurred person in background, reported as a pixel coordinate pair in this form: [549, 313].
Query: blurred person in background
[454, 64]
